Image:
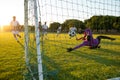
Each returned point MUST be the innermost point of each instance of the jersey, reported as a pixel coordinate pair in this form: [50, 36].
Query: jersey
[59, 29]
[88, 34]
[15, 25]
[44, 27]
[87, 43]
[73, 29]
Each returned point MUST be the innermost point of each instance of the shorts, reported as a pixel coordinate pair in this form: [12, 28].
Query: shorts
[58, 31]
[15, 32]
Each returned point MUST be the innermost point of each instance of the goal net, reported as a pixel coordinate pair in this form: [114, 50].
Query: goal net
[45, 48]
[32, 41]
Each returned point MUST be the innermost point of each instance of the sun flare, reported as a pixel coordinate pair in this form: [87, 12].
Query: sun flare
[1, 28]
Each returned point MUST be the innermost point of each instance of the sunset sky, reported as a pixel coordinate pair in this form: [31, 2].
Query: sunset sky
[59, 9]
[11, 8]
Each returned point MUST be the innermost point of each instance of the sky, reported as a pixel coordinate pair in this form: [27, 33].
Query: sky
[59, 10]
[10, 8]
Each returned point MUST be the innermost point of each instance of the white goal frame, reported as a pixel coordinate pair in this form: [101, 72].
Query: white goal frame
[26, 36]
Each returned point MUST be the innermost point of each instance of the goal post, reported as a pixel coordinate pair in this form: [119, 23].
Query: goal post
[27, 36]
[39, 58]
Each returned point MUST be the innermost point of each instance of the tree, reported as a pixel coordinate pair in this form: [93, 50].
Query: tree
[54, 26]
[73, 22]
[116, 24]
[103, 22]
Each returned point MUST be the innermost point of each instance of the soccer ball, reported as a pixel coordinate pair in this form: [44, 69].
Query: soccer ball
[72, 33]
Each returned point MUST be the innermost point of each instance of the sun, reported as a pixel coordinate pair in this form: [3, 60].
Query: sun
[1, 28]
[3, 23]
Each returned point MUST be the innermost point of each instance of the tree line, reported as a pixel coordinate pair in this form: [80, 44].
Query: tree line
[96, 23]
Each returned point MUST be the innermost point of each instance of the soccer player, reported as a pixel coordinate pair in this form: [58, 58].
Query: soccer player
[87, 33]
[59, 30]
[39, 29]
[89, 41]
[44, 30]
[15, 28]
[72, 31]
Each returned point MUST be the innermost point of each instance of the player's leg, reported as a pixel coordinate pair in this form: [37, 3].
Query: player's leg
[45, 34]
[57, 33]
[94, 47]
[17, 33]
[15, 36]
[85, 43]
[105, 37]
[46, 37]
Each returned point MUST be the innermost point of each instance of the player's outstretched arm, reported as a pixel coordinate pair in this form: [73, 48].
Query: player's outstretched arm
[82, 38]
[85, 43]
[79, 38]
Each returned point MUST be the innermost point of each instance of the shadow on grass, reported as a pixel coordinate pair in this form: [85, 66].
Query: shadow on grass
[20, 44]
[63, 42]
[53, 71]
[12, 76]
[97, 58]
[111, 43]
[109, 51]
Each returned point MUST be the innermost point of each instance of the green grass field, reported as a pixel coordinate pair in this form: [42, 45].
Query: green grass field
[81, 64]
[11, 58]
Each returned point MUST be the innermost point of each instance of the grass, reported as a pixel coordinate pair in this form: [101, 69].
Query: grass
[11, 58]
[81, 64]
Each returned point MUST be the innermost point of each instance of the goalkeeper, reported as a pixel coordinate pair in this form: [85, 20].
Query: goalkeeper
[89, 41]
